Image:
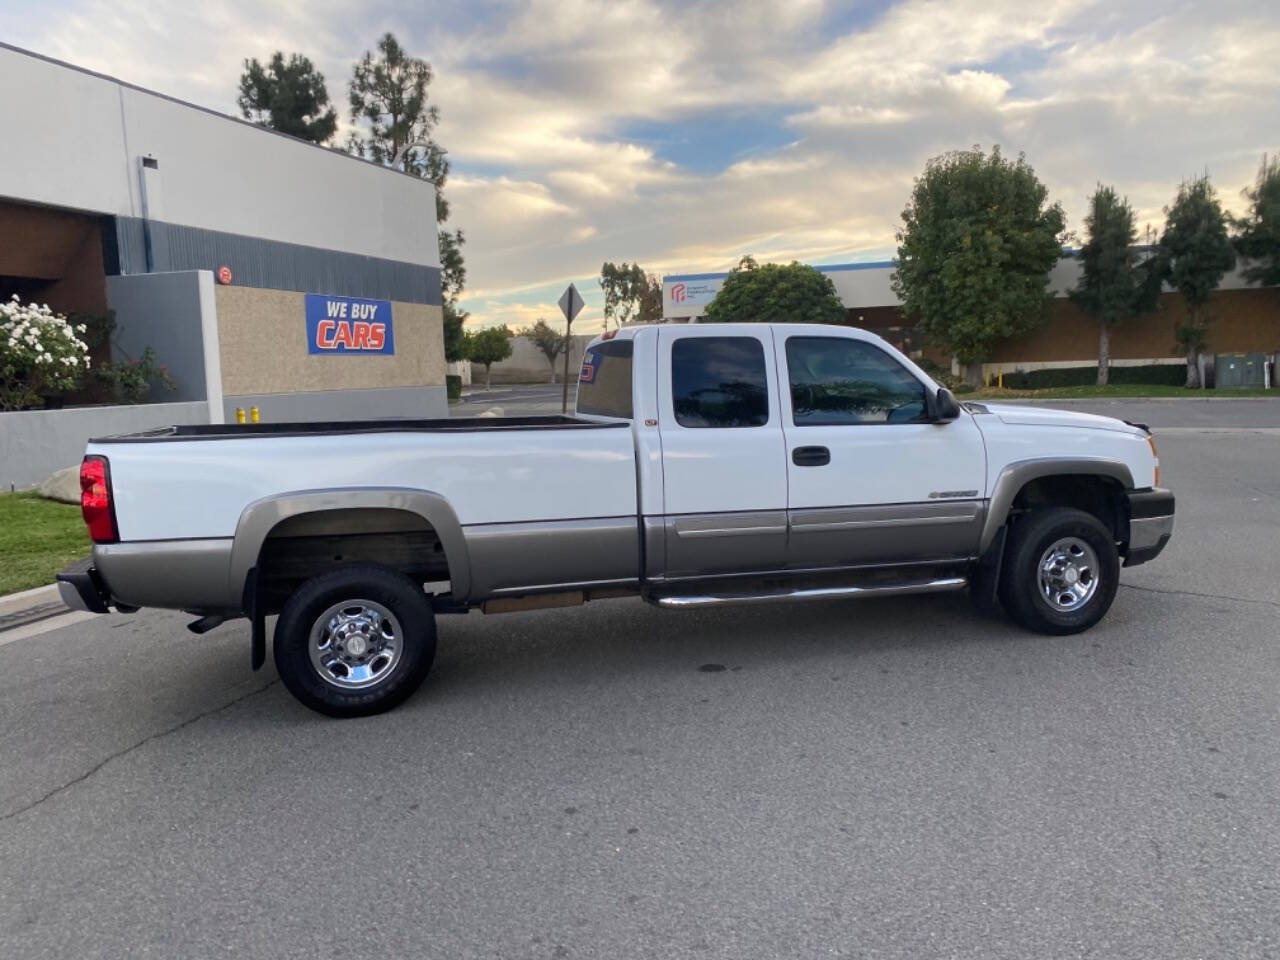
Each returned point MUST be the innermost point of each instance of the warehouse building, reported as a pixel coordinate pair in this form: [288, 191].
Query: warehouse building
[1244, 318]
[264, 270]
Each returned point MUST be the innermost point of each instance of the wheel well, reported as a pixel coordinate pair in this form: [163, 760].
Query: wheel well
[1102, 497]
[306, 544]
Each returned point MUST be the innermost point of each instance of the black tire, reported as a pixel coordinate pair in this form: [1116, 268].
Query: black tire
[392, 677]
[1021, 589]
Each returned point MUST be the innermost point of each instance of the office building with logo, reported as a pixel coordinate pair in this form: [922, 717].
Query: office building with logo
[1243, 318]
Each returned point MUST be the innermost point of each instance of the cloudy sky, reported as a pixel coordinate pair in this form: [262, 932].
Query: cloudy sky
[683, 135]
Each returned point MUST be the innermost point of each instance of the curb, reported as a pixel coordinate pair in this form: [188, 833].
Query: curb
[1113, 399]
[26, 599]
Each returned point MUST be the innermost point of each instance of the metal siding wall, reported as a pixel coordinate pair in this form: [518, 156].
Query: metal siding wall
[131, 245]
[272, 265]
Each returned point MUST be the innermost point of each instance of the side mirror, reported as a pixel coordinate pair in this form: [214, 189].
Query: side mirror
[945, 406]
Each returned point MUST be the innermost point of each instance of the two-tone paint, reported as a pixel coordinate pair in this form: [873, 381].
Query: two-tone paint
[598, 502]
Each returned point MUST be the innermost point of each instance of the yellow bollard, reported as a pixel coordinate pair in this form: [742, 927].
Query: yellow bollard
[1001, 379]
[239, 414]
[253, 414]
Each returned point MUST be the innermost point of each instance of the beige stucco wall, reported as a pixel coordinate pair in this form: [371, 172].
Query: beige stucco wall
[527, 364]
[262, 342]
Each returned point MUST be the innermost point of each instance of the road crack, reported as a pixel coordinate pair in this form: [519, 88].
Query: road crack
[130, 749]
[1202, 596]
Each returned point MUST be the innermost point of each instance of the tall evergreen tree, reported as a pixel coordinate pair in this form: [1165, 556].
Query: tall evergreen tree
[288, 96]
[1197, 252]
[1117, 283]
[1258, 231]
[395, 121]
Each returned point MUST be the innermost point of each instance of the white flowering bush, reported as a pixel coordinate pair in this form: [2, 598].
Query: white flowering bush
[40, 354]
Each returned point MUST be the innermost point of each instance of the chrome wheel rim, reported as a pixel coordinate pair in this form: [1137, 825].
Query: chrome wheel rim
[1068, 574]
[355, 644]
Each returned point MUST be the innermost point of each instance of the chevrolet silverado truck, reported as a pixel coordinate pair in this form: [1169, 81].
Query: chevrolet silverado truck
[704, 464]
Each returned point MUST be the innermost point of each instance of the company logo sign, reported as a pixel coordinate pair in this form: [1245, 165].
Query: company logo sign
[349, 325]
[688, 296]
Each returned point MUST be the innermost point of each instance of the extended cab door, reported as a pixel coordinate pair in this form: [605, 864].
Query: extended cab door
[723, 458]
[870, 478]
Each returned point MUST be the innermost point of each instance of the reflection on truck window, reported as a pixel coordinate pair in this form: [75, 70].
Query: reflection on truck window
[836, 381]
[719, 382]
[604, 385]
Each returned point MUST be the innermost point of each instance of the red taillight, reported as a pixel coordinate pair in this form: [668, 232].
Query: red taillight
[95, 500]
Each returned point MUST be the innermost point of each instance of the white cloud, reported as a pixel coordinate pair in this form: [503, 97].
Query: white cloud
[542, 101]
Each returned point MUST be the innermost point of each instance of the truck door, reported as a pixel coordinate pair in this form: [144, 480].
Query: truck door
[724, 472]
[870, 478]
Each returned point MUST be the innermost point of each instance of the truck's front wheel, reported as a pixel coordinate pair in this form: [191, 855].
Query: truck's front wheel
[355, 641]
[1061, 571]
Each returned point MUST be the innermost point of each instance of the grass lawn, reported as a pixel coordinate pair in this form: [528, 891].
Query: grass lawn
[38, 538]
[1111, 390]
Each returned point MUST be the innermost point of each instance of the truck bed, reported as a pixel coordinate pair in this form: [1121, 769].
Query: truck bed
[225, 431]
[194, 482]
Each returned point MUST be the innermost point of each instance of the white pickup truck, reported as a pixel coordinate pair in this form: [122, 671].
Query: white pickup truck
[705, 464]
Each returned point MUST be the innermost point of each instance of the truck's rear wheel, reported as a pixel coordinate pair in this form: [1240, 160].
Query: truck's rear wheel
[1061, 571]
[355, 641]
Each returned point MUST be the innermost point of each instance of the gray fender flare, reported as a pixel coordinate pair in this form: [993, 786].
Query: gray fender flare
[259, 517]
[1018, 474]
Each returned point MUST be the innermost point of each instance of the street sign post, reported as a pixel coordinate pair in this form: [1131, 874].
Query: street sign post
[570, 305]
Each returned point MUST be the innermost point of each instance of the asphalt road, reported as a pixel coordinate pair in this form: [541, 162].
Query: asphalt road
[889, 778]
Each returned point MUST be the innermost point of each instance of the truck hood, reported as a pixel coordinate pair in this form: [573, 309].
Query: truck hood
[1049, 417]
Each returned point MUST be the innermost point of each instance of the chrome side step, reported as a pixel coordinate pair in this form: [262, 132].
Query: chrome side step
[690, 601]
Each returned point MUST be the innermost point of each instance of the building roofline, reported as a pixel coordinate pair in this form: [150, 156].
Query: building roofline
[1068, 253]
[820, 267]
[334, 151]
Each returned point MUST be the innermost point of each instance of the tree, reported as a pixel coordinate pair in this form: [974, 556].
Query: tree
[1258, 231]
[1197, 252]
[974, 255]
[288, 96]
[487, 347]
[627, 290]
[776, 293]
[650, 306]
[549, 341]
[391, 109]
[1116, 282]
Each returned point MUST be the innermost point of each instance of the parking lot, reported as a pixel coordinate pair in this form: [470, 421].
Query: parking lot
[857, 778]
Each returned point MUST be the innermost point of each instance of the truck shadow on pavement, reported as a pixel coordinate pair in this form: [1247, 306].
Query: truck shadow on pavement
[608, 640]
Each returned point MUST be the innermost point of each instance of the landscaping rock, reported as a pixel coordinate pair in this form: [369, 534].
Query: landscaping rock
[63, 485]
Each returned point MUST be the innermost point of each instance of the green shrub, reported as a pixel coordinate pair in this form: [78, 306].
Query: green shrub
[1164, 374]
[453, 385]
[940, 376]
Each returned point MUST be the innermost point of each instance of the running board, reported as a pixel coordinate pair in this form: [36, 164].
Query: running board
[690, 601]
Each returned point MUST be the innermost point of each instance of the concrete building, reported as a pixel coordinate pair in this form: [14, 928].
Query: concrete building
[1245, 318]
[264, 270]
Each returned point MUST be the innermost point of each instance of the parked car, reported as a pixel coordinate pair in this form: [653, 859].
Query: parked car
[704, 465]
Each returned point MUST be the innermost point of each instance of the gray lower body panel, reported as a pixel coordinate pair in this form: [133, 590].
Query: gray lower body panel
[549, 555]
[710, 544]
[178, 574]
[888, 533]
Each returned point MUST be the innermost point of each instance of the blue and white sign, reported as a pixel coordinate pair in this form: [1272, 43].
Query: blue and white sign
[348, 325]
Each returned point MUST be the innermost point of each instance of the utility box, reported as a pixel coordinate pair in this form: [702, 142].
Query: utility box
[1239, 371]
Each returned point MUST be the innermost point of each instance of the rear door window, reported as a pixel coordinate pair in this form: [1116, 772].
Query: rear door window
[604, 383]
[719, 382]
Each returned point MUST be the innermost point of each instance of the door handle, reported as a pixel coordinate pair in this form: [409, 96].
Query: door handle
[810, 456]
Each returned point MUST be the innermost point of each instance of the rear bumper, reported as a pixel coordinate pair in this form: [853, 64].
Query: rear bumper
[1150, 524]
[81, 588]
